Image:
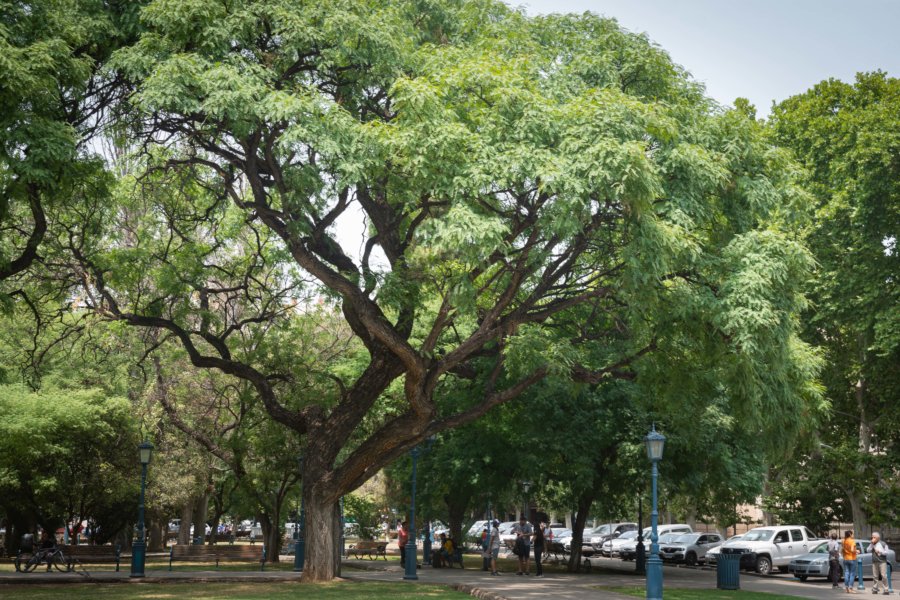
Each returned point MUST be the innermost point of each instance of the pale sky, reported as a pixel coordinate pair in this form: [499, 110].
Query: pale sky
[763, 50]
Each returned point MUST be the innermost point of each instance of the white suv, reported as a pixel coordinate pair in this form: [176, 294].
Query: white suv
[765, 548]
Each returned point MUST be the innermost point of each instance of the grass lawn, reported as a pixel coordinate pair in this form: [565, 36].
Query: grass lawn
[231, 591]
[702, 594]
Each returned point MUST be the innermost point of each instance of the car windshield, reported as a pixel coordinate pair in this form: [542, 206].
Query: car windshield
[821, 548]
[628, 535]
[601, 530]
[668, 538]
[758, 535]
[687, 538]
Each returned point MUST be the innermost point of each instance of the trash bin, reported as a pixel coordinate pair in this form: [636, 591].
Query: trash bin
[728, 570]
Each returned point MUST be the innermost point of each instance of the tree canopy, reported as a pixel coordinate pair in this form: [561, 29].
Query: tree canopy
[543, 197]
[846, 135]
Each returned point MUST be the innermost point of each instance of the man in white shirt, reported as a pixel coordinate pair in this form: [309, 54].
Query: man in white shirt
[879, 564]
[523, 531]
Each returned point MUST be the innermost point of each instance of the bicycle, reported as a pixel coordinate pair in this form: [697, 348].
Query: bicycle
[54, 558]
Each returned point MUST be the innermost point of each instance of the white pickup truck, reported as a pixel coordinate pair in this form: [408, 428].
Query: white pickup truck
[772, 547]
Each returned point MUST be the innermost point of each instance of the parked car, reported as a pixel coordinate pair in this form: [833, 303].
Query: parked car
[473, 535]
[766, 548]
[608, 531]
[506, 533]
[628, 550]
[713, 555]
[815, 564]
[611, 547]
[690, 548]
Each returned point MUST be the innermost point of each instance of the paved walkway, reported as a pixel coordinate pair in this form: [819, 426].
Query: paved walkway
[597, 585]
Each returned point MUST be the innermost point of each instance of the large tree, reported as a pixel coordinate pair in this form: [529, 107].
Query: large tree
[515, 177]
[846, 135]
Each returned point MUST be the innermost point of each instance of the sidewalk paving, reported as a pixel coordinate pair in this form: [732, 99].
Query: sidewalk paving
[597, 585]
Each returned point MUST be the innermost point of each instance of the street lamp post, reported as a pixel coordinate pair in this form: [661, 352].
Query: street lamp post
[139, 548]
[426, 541]
[300, 544]
[655, 442]
[526, 485]
[640, 558]
[411, 558]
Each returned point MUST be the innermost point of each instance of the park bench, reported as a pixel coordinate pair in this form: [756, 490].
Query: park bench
[93, 555]
[557, 551]
[371, 548]
[217, 554]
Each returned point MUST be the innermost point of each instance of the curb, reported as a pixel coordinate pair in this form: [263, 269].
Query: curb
[477, 592]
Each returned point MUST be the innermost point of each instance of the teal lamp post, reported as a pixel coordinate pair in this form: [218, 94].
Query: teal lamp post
[139, 548]
[411, 558]
[300, 542]
[655, 443]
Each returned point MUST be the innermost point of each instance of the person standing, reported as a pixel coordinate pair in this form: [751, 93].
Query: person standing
[538, 544]
[879, 564]
[495, 546]
[402, 539]
[834, 561]
[523, 531]
[848, 548]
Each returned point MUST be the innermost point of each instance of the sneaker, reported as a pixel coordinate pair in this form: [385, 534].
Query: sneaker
[520, 573]
[874, 591]
[495, 573]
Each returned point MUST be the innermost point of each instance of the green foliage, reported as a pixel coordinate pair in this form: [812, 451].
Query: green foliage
[365, 512]
[845, 135]
[67, 453]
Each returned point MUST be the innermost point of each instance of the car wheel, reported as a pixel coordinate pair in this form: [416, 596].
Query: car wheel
[764, 565]
[802, 577]
[691, 559]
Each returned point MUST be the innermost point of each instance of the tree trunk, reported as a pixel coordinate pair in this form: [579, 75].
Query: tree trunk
[860, 518]
[584, 506]
[157, 530]
[200, 516]
[321, 561]
[456, 509]
[184, 530]
[271, 535]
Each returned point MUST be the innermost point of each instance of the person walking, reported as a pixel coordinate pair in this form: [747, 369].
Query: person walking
[848, 548]
[538, 544]
[494, 546]
[834, 561]
[523, 531]
[879, 564]
[402, 539]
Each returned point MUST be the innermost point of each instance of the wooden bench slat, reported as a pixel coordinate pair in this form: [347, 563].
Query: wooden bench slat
[218, 554]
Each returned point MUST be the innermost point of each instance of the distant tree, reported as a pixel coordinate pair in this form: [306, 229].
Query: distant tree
[66, 455]
[846, 137]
